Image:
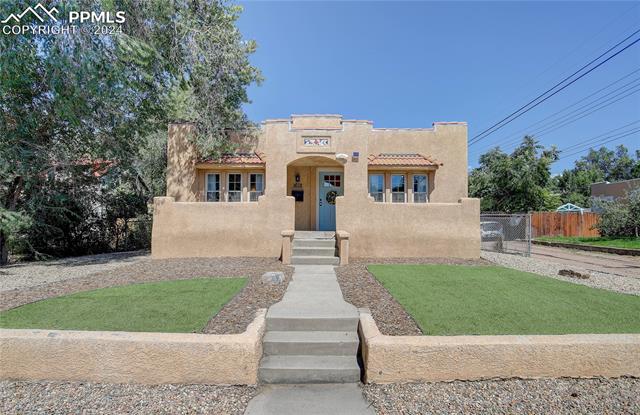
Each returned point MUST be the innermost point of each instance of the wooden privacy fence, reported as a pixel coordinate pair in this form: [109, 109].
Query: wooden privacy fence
[564, 224]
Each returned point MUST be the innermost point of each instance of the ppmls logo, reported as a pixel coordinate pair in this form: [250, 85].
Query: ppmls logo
[98, 23]
[13, 18]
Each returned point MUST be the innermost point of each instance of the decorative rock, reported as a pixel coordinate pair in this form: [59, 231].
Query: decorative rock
[273, 277]
[573, 274]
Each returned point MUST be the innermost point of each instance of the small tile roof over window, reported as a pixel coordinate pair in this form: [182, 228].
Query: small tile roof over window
[236, 158]
[402, 160]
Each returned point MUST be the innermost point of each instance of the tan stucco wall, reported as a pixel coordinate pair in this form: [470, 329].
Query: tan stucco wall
[196, 229]
[444, 227]
[390, 359]
[124, 357]
[411, 230]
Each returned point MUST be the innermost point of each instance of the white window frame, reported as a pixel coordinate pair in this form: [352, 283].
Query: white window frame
[229, 191]
[255, 194]
[382, 191]
[219, 191]
[423, 196]
[395, 195]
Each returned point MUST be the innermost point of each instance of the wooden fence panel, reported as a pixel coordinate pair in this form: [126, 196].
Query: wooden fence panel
[564, 224]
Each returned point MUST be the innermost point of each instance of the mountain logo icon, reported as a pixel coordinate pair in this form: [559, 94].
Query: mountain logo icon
[43, 10]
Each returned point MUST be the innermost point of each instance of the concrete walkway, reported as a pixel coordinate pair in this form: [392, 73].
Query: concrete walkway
[334, 399]
[311, 335]
[310, 350]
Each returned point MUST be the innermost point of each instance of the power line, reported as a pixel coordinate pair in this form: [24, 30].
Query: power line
[575, 49]
[532, 104]
[610, 139]
[583, 114]
[600, 135]
[517, 135]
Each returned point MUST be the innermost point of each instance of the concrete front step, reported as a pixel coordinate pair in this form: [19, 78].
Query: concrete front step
[314, 260]
[338, 343]
[314, 251]
[314, 243]
[309, 369]
[318, 322]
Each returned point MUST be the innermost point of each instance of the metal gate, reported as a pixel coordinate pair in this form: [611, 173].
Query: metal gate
[506, 233]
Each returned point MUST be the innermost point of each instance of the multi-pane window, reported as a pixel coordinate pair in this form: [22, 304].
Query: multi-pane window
[331, 180]
[420, 188]
[398, 188]
[376, 187]
[234, 187]
[213, 187]
[256, 186]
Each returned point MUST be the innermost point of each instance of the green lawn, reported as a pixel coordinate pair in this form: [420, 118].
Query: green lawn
[170, 306]
[632, 243]
[457, 300]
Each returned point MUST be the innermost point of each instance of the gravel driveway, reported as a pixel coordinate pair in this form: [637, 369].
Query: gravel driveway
[515, 396]
[93, 398]
[627, 284]
[30, 274]
[232, 318]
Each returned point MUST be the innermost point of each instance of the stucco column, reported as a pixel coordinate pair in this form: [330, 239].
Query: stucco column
[343, 246]
[287, 237]
[181, 162]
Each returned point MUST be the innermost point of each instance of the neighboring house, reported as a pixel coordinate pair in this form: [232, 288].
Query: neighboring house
[606, 191]
[396, 192]
[612, 191]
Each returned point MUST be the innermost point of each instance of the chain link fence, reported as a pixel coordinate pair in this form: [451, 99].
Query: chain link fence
[506, 233]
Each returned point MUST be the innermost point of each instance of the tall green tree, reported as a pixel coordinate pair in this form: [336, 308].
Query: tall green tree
[516, 182]
[603, 164]
[70, 101]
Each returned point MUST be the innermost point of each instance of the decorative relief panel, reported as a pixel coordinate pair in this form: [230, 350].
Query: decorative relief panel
[316, 141]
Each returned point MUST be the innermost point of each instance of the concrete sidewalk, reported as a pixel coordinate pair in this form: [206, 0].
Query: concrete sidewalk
[333, 399]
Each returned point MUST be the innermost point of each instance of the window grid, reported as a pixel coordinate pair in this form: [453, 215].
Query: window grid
[332, 180]
[376, 187]
[420, 188]
[213, 187]
[256, 186]
[398, 188]
[234, 187]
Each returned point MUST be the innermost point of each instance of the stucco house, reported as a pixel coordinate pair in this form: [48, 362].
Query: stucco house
[379, 192]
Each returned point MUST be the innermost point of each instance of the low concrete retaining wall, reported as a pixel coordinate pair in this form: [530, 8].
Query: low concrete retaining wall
[124, 357]
[390, 359]
[593, 248]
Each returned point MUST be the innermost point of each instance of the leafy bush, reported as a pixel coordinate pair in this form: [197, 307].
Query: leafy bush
[621, 217]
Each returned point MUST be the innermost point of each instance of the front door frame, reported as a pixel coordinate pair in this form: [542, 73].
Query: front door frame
[320, 171]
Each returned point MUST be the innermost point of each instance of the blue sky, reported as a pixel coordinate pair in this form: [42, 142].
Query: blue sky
[408, 64]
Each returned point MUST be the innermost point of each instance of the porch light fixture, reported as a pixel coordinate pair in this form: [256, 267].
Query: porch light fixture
[342, 157]
[297, 178]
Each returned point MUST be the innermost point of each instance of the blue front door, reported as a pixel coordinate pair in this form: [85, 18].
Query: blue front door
[329, 187]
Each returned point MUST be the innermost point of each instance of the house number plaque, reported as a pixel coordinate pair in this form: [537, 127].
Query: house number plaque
[316, 141]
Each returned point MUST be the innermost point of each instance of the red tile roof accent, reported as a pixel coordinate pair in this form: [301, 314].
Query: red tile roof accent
[402, 159]
[237, 158]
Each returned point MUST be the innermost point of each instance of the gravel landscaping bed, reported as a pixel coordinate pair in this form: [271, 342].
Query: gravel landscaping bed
[234, 316]
[515, 396]
[619, 283]
[30, 274]
[93, 398]
[361, 289]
